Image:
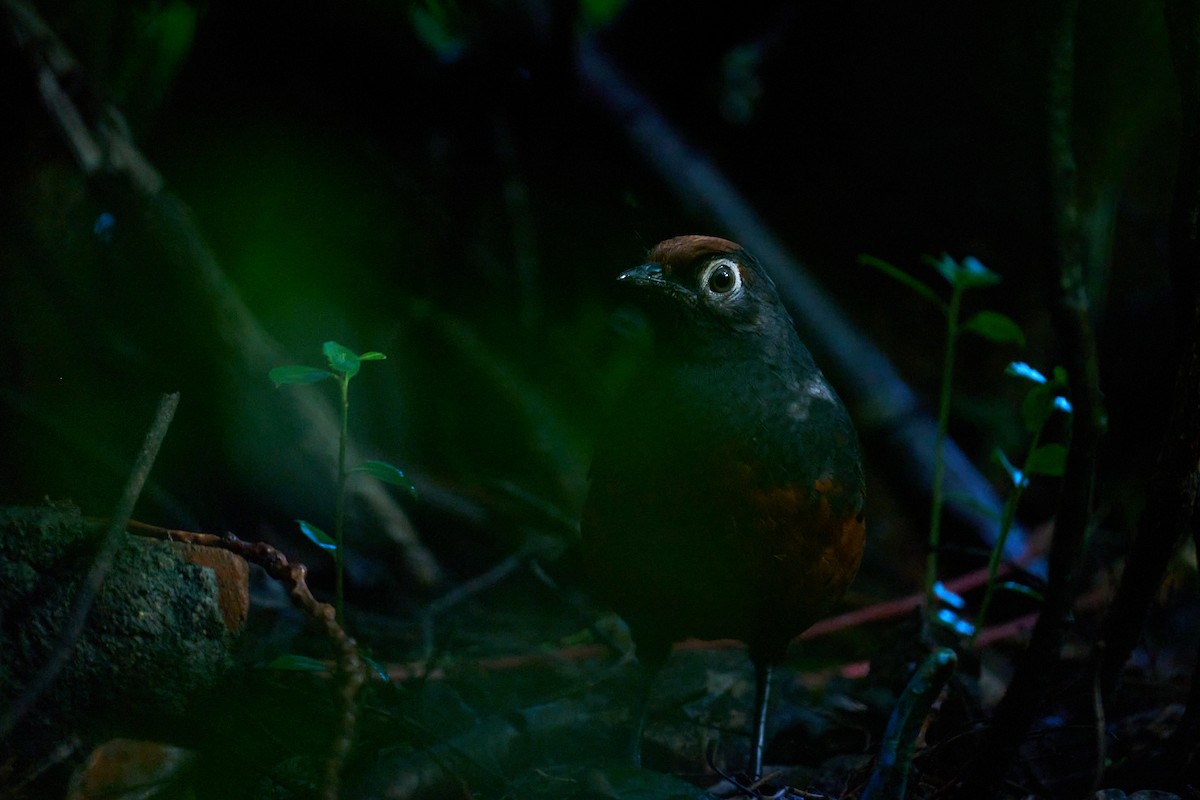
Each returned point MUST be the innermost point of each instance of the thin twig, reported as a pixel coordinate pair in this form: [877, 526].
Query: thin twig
[85, 598]
[535, 546]
[890, 778]
[480, 583]
[350, 666]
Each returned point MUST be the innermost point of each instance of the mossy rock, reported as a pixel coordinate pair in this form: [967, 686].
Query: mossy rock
[154, 642]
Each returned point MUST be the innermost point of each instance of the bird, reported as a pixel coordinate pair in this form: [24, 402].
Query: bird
[726, 491]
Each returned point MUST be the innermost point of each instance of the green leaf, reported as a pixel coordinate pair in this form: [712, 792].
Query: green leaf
[1015, 476]
[951, 621]
[996, 327]
[317, 536]
[946, 266]
[371, 355]
[281, 375]
[376, 667]
[900, 276]
[971, 274]
[1022, 589]
[1060, 377]
[385, 472]
[1049, 459]
[341, 359]
[948, 597]
[1023, 370]
[295, 663]
[1037, 407]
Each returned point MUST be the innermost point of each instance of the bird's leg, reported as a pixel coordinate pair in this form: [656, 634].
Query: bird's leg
[646, 675]
[762, 692]
[652, 656]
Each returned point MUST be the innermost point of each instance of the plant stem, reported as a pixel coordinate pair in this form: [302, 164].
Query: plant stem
[939, 461]
[1010, 510]
[339, 516]
[904, 727]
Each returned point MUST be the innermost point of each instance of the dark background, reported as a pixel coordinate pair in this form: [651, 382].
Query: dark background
[431, 180]
[345, 171]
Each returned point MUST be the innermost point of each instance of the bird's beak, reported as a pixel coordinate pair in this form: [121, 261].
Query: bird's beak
[656, 283]
[644, 275]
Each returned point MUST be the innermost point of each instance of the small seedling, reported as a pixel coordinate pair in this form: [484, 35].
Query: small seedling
[344, 364]
[1041, 401]
[991, 325]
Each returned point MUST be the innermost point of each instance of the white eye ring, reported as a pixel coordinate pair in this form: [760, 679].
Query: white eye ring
[722, 278]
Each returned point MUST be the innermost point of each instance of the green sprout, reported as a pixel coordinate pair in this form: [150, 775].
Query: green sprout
[991, 325]
[1040, 403]
[344, 364]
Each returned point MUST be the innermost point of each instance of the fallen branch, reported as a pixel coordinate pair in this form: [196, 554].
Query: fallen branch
[104, 150]
[350, 666]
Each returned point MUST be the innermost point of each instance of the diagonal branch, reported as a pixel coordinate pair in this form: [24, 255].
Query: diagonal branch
[94, 580]
[105, 152]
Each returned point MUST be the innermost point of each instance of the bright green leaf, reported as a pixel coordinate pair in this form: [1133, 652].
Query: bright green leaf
[371, 355]
[1014, 475]
[341, 359]
[954, 622]
[376, 667]
[316, 535]
[948, 597]
[1023, 370]
[281, 375]
[967, 275]
[946, 266]
[971, 274]
[1022, 589]
[1049, 459]
[996, 327]
[295, 663]
[385, 472]
[899, 275]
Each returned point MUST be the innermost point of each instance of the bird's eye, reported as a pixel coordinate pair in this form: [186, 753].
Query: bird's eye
[721, 280]
[722, 277]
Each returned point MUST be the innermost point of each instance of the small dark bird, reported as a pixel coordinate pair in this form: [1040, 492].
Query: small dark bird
[726, 496]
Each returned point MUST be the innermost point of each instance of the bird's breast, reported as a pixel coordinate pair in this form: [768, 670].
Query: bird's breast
[726, 505]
